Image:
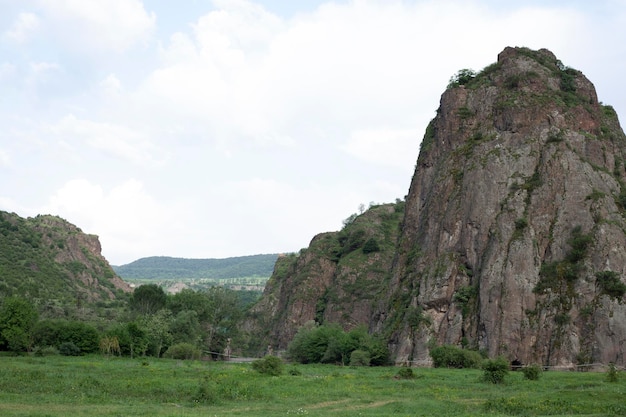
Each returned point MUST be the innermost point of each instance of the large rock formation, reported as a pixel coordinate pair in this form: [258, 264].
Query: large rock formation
[513, 239]
[515, 213]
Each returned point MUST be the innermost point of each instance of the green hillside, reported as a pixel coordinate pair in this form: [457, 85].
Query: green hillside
[168, 268]
[53, 264]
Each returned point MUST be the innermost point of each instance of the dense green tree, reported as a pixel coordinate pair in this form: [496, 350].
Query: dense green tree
[495, 370]
[46, 333]
[462, 77]
[57, 332]
[218, 312]
[121, 333]
[330, 344]
[137, 339]
[17, 318]
[302, 347]
[189, 300]
[158, 334]
[449, 356]
[185, 328]
[148, 299]
[83, 335]
[224, 316]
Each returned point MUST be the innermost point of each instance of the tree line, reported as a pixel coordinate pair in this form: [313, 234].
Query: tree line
[188, 324]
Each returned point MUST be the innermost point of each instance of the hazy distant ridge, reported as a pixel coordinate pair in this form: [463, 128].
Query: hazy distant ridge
[165, 267]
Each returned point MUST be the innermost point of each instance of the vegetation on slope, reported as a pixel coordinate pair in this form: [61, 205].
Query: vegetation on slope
[49, 262]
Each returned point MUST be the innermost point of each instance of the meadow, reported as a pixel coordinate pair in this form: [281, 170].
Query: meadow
[97, 386]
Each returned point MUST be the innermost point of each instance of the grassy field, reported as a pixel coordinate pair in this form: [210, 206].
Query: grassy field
[96, 386]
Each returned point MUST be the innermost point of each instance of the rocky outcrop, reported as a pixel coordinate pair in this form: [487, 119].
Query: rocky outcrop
[342, 277]
[514, 217]
[513, 237]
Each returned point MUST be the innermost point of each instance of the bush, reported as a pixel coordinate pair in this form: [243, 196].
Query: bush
[328, 343]
[406, 373]
[184, 351]
[495, 370]
[206, 393]
[371, 245]
[521, 223]
[448, 356]
[294, 371]
[45, 351]
[69, 349]
[269, 365]
[611, 374]
[359, 358]
[213, 389]
[532, 372]
[462, 77]
[312, 342]
[58, 332]
[611, 284]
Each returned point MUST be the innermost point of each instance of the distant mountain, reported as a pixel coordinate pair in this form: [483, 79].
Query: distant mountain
[168, 268]
[54, 264]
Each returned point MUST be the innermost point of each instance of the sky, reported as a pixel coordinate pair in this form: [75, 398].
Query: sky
[211, 129]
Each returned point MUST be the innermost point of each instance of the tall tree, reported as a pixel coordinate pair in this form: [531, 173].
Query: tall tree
[138, 339]
[17, 319]
[224, 315]
[148, 299]
[158, 333]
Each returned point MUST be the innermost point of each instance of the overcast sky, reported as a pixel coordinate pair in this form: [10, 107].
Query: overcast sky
[209, 129]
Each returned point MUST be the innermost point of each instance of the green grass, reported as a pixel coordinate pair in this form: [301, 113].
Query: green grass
[94, 386]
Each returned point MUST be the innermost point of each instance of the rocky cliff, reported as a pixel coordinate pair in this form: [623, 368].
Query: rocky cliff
[54, 264]
[514, 228]
[513, 238]
[342, 277]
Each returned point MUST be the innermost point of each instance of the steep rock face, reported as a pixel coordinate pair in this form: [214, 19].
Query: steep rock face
[54, 264]
[514, 216]
[342, 277]
[513, 236]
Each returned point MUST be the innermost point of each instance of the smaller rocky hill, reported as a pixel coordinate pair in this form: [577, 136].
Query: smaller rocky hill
[54, 264]
[340, 278]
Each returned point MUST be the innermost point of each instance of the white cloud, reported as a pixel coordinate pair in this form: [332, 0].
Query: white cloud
[386, 147]
[44, 67]
[116, 140]
[24, 27]
[245, 76]
[236, 28]
[111, 86]
[113, 24]
[128, 220]
[7, 70]
[5, 161]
